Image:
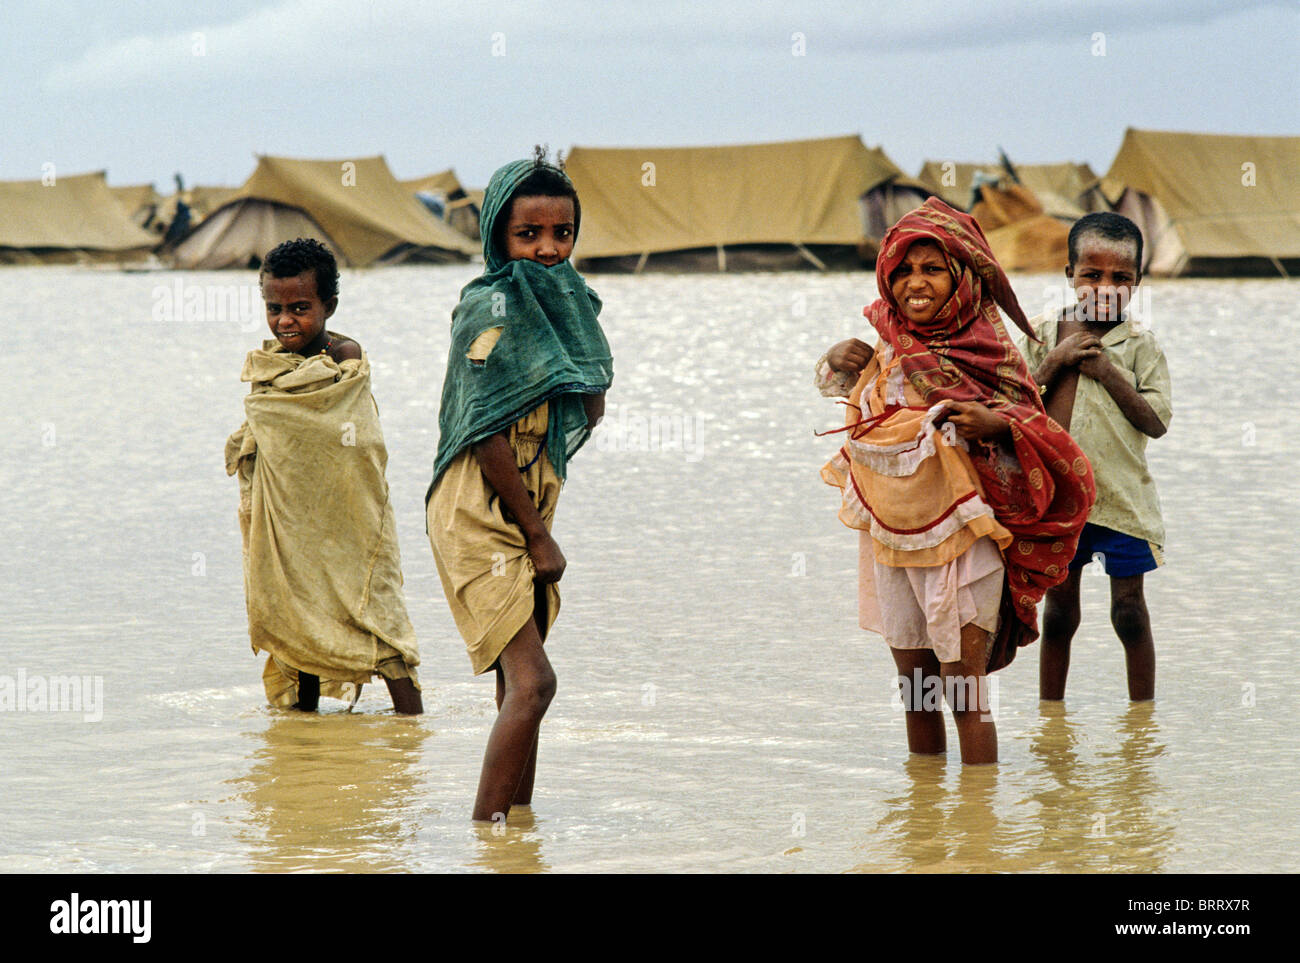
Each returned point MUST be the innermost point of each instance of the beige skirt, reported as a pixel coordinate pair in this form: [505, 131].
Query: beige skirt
[482, 558]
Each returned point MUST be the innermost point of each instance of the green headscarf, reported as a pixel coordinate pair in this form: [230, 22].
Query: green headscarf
[551, 347]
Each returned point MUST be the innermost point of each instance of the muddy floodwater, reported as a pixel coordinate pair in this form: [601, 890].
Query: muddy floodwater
[718, 708]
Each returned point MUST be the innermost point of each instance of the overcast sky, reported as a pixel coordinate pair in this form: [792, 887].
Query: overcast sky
[147, 88]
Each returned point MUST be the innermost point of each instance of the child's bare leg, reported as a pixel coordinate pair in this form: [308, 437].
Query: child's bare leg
[524, 794]
[308, 692]
[529, 686]
[1060, 621]
[966, 688]
[918, 672]
[406, 697]
[1128, 614]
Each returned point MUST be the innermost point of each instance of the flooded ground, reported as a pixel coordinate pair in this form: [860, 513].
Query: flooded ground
[718, 708]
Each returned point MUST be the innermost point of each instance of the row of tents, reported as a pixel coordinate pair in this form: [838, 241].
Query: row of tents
[1208, 204]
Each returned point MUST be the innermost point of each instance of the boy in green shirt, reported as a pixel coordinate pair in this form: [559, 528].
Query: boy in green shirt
[1106, 382]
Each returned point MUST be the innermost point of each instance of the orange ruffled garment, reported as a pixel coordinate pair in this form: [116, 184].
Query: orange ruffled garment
[907, 483]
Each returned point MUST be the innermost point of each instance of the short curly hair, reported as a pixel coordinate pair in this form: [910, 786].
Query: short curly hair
[303, 254]
[1108, 226]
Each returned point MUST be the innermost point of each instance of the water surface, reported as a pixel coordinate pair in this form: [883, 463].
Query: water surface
[718, 708]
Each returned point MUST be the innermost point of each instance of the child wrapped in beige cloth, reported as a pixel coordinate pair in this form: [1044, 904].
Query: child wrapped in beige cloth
[322, 570]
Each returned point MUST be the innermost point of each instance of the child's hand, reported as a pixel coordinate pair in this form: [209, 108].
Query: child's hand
[974, 422]
[547, 558]
[1075, 349]
[851, 356]
[1095, 367]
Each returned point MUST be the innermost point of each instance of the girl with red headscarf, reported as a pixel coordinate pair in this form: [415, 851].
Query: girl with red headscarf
[968, 497]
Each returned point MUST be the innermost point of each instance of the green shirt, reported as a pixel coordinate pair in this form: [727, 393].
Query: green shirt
[1126, 495]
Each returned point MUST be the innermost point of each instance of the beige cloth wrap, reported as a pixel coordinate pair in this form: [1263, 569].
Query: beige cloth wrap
[322, 571]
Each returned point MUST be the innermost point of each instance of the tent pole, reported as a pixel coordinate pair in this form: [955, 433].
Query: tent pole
[640, 262]
[1278, 264]
[816, 262]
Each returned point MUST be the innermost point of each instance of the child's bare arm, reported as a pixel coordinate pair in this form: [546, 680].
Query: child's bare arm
[1140, 414]
[497, 462]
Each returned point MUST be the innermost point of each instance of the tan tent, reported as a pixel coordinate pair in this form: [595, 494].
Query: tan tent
[355, 206]
[1000, 206]
[458, 209]
[1210, 203]
[953, 181]
[1022, 236]
[146, 208]
[749, 204]
[203, 200]
[138, 201]
[1064, 190]
[444, 182]
[74, 219]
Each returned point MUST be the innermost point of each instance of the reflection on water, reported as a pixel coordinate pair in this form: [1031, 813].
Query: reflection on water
[1085, 812]
[512, 848]
[1105, 814]
[718, 707]
[332, 792]
[933, 827]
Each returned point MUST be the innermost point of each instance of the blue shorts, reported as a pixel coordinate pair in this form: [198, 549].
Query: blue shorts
[1120, 555]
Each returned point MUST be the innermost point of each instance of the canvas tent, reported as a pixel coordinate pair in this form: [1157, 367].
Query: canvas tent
[198, 201]
[1025, 210]
[355, 206]
[141, 203]
[155, 212]
[772, 205]
[1210, 203]
[1064, 190]
[443, 194]
[1022, 236]
[203, 200]
[73, 219]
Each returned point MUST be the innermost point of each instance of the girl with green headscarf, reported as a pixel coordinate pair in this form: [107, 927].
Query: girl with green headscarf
[526, 377]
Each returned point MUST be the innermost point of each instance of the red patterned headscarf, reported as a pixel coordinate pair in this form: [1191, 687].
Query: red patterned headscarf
[965, 354]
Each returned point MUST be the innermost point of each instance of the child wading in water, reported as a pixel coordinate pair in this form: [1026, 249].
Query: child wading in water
[968, 498]
[322, 572]
[526, 379]
[1108, 383]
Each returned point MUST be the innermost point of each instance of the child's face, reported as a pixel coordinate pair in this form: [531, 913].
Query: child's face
[540, 229]
[294, 311]
[921, 284]
[1104, 276]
